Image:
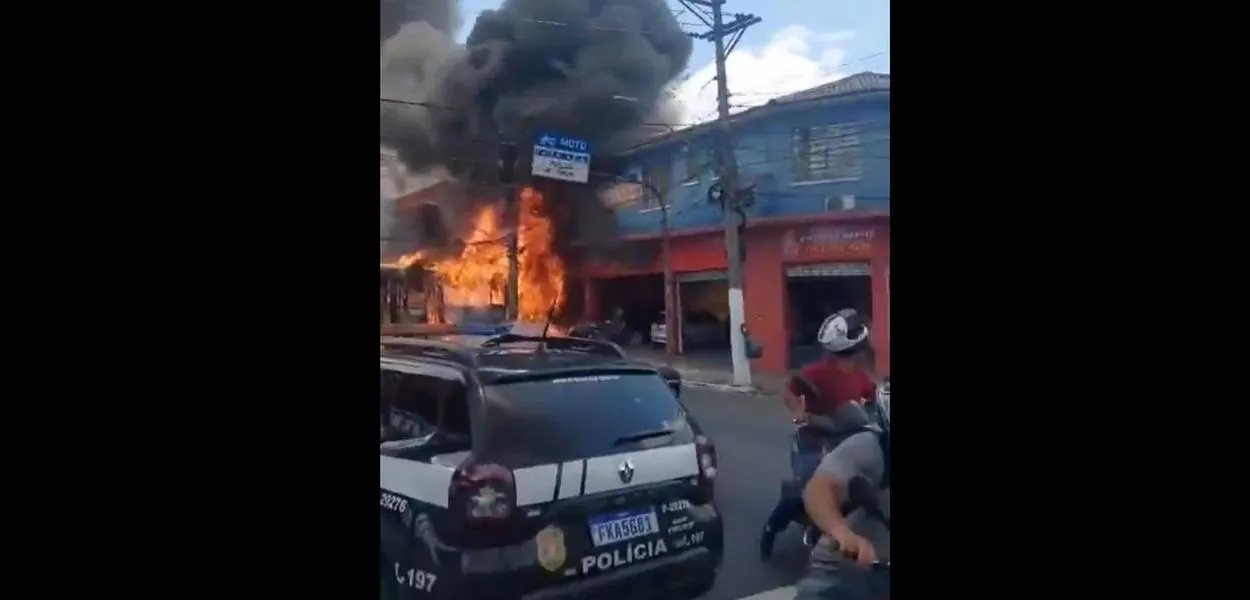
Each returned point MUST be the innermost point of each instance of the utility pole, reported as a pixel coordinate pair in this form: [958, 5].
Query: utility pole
[670, 305]
[512, 211]
[514, 268]
[727, 165]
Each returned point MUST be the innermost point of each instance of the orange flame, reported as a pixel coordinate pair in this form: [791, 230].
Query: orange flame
[478, 277]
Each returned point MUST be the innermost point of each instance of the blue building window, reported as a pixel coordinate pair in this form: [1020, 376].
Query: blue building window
[694, 163]
[827, 153]
[660, 177]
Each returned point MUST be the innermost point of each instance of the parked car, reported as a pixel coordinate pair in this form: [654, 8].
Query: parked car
[699, 329]
[659, 331]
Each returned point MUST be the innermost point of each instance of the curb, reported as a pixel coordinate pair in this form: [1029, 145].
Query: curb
[689, 378]
[721, 387]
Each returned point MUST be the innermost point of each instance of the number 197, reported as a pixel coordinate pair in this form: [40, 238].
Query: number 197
[416, 578]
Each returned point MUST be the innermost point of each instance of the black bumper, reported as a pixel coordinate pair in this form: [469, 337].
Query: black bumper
[679, 577]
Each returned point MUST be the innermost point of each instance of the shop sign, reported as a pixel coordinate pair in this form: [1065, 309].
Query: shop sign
[826, 241]
[702, 276]
[837, 269]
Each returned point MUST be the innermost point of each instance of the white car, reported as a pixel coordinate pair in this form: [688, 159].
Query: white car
[659, 332]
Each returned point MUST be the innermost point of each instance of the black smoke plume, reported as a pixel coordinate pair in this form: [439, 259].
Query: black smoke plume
[443, 15]
[596, 69]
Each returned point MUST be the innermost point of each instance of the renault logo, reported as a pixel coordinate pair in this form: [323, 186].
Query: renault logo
[626, 471]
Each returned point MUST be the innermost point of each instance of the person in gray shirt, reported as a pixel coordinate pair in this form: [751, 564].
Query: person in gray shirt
[842, 563]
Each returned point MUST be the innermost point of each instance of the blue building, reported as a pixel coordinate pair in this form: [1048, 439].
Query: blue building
[817, 237]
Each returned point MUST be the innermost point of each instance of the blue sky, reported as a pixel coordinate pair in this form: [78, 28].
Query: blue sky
[799, 44]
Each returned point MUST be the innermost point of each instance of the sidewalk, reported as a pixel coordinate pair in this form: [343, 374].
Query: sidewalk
[709, 372]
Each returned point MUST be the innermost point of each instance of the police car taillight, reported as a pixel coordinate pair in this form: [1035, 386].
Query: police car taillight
[707, 468]
[483, 493]
[707, 457]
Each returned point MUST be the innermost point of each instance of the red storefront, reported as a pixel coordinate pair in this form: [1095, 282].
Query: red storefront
[779, 251]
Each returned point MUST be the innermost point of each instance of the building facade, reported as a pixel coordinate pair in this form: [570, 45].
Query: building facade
[816, 165]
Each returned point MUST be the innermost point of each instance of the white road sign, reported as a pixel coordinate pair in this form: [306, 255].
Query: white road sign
[561, 157]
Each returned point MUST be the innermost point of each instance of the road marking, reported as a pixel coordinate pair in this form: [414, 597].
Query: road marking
[781, 593]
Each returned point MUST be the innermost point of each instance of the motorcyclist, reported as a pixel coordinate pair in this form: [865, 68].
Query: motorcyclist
[840, 382]
[846, 562]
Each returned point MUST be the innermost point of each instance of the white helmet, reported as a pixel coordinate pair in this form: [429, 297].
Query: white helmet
[842, 331]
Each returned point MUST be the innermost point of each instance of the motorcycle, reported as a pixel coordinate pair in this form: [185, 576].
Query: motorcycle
[813, 439]
[809, 444]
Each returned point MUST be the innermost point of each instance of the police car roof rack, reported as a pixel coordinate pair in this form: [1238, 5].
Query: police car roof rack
[429, 349]
[560, 343]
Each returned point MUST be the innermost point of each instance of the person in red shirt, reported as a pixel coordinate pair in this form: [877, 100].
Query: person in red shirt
[825, 387]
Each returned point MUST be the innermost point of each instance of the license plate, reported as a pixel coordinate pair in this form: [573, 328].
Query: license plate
[624, 525]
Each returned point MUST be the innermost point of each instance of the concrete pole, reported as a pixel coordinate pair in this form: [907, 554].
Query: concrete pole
[729, 184]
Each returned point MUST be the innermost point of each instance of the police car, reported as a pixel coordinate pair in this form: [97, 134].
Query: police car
[540, 468]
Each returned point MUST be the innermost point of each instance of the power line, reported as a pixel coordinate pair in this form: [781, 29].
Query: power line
[867, 127]
[789, 158]
[703, 120]
[416, 103]
[673, 127]
[865, 130]
[448, 107]
[698, 11]
[796, 91]
[590, 27]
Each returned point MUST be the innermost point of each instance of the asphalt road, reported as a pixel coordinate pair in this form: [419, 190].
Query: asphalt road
[750, 433]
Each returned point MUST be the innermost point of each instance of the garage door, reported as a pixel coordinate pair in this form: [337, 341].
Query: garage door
[841, 269]
[702, 276]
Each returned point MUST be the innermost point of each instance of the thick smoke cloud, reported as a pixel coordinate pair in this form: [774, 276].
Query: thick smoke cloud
[597, 69]
[443, 15]
[594, 68]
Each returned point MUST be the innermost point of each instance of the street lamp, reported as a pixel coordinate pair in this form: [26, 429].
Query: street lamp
[665, 255]
[671, 322]
[670, 313]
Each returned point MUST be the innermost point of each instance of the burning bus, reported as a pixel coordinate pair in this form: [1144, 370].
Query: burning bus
[467, 281]
[408, 294]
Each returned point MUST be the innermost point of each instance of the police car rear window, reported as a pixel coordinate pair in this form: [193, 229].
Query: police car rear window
[568, 418]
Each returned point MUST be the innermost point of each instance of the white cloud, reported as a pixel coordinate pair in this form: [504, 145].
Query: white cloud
[794, 59]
